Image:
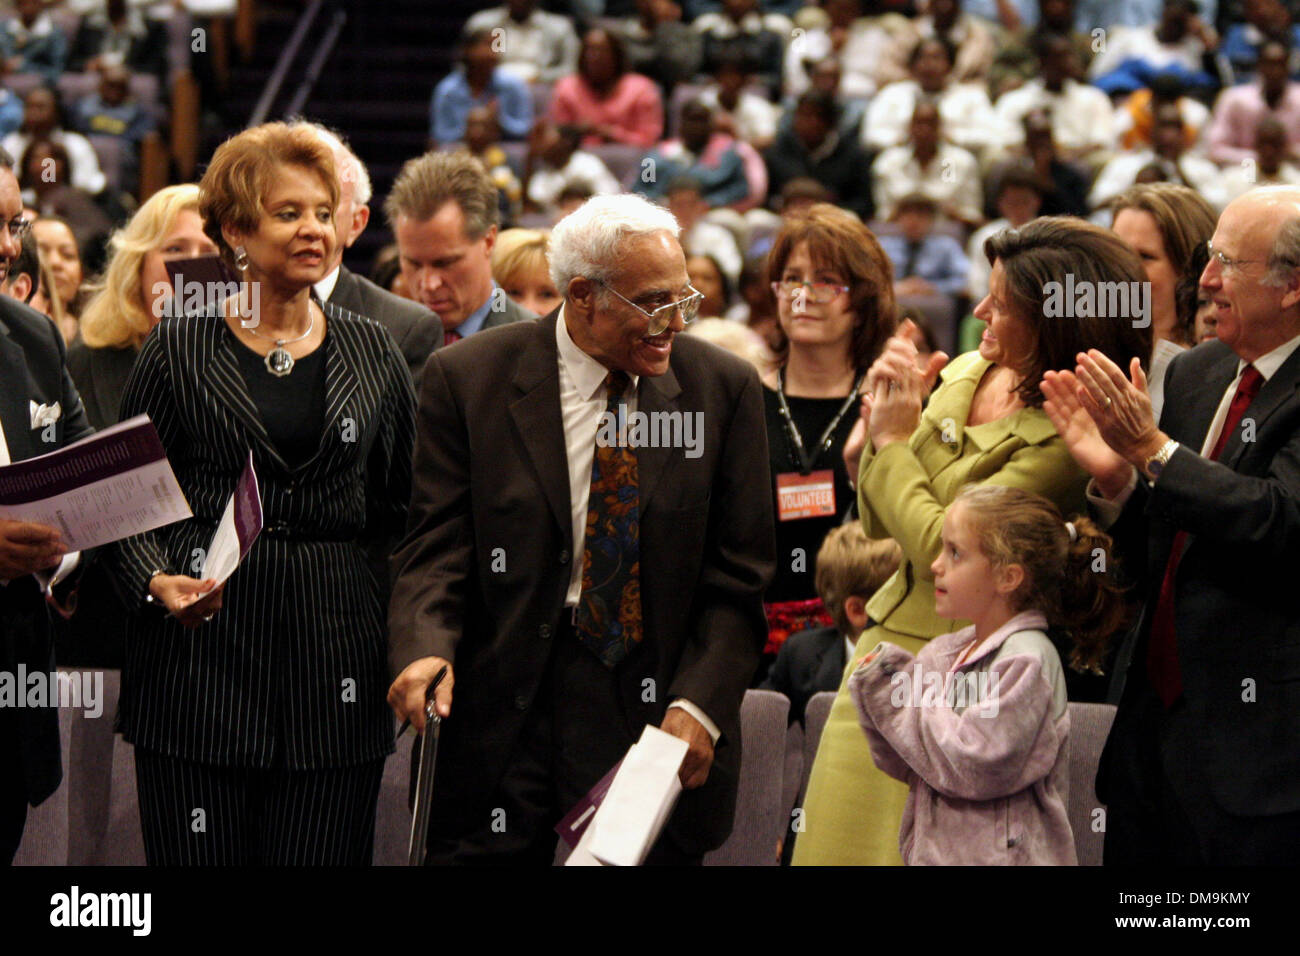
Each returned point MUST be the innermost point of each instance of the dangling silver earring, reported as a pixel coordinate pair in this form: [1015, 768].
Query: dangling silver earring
[241, 258]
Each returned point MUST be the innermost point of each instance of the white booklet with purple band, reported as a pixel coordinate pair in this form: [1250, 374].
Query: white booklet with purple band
[112, 485]
[239, 528]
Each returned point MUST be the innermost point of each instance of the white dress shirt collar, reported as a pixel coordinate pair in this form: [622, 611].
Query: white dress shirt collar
[588, 374]
[1268, 363]
[325, 288]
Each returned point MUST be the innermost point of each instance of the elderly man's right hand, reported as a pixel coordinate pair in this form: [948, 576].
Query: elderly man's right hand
[26, 548]
[406, 696]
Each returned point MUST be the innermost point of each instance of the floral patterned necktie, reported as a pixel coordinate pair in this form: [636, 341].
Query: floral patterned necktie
[608, 620]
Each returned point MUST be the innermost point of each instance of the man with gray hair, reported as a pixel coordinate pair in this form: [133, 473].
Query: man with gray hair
[444, 210]
[579, 580]
[415, 329]
[1202, 766]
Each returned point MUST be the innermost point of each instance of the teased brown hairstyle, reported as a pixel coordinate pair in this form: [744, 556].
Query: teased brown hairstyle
[1044, 251]
[232, 190]
[1186, 222]
[1076, 584]
[849, 564]
[838, 240]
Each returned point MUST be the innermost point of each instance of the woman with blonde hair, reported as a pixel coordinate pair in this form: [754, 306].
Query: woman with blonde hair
[521, 269]
[133, 295]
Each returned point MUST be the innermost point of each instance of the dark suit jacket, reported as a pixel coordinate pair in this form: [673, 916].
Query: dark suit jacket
[1236, 602]
[415, 329]
[100, 376]
[491, 470]
[510, 311]
[809, 662]
[291, 670]
[32, 370]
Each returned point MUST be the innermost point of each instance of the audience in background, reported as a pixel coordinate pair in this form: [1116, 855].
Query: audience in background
[119, 35]
[736, 110]
[1272, 165]
[46, 182]
[742, 29]
[967, 115]
[536, 46]
[59, 251]
[700, 152]
[707, 278]
[605, 99]
[926, 262]
[924, 163]
[813, 148]
[736, 339]
[555, 161]
[1017, 198]
[1083, 121]
[1240, 108]
[43, 119]
[30, 42]
[660, 45]
[477, 81]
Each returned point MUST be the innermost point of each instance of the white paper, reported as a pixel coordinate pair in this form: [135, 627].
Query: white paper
[112, 485]
[239, 527]
[639, 802]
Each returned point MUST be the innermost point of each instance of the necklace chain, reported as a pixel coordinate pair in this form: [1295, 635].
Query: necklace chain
[311, 325]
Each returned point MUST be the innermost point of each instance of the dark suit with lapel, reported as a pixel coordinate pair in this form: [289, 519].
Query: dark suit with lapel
[1230, 749]
[415, 329]
[809, 662]
[509, 311]
[492, 473]
[100, 374]
[31, 370]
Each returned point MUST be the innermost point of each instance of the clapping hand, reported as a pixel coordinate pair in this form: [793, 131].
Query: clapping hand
[897, 387]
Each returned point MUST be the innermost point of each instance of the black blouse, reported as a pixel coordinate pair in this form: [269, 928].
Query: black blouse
[292, 407]
[811, 416]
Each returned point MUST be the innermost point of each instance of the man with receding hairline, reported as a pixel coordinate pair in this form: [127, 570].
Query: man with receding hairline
[1202, 766]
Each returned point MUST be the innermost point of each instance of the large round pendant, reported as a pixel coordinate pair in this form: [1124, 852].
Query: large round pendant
[279, 362]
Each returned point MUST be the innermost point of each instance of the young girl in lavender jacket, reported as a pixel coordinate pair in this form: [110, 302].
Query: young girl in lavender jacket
[976, 723]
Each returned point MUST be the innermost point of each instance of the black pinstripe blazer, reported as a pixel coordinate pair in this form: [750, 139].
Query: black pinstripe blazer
[292, 670]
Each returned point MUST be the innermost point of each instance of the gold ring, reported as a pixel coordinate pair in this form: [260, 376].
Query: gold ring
[1109, 401]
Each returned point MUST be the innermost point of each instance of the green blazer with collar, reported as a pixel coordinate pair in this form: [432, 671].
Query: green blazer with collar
[903, 489]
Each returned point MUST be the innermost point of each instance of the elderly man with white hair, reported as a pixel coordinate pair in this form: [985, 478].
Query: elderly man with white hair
[1202, 766]
[416, 330]
[581, 579]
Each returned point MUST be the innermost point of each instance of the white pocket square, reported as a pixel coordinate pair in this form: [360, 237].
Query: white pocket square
[43, 415]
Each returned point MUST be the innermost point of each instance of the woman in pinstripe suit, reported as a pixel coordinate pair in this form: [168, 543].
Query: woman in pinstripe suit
[257, 708]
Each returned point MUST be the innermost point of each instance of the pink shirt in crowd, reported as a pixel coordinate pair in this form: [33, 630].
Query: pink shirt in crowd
[634, 108]
[1232, 133]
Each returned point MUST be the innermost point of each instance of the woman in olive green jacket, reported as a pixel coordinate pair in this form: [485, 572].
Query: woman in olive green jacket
[984, 424]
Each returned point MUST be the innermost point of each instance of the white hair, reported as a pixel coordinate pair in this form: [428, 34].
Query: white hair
[588, 240]
[350, 167]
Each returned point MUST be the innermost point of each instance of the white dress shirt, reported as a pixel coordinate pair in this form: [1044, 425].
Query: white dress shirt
[965, 114]
[582, 402]
[1082, 117]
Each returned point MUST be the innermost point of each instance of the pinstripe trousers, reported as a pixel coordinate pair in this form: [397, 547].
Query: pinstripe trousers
[200, 815]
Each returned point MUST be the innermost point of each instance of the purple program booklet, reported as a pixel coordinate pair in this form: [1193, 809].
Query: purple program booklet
[239, 527]
[112, 485]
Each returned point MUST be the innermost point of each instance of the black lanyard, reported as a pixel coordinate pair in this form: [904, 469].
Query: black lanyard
[801, 457]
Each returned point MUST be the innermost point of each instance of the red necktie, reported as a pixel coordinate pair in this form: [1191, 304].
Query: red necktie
[1162, 650]
[450, 337]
